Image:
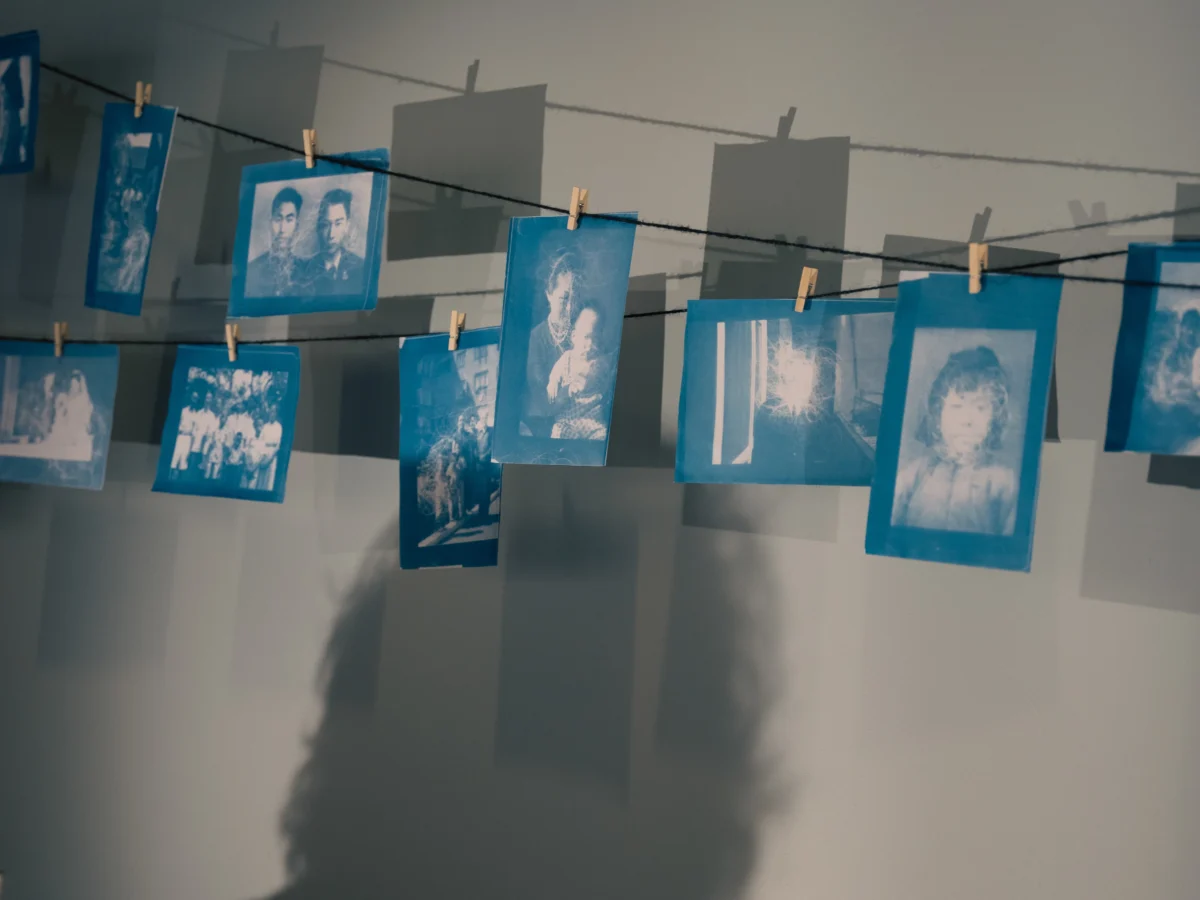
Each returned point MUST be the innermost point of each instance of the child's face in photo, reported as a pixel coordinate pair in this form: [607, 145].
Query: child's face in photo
[966, 418]
[585, 327]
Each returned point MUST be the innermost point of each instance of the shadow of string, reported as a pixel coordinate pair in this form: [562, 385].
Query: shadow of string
[776, 242]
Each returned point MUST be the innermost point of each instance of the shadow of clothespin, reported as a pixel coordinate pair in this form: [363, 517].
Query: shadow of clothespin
[784, 129]
[1080, 216]
[979, 226]
[472, 76]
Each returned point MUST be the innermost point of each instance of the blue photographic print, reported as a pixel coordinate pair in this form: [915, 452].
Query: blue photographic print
[20, 65]
[230, 425]
[564, 305]
[309, 240]
[56, 413]
[449, 486]
[773, 396]
[1154, 406]
[133, 160]
[960, 439]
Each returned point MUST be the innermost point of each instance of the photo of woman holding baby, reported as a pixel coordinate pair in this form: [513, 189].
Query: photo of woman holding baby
[564, 300]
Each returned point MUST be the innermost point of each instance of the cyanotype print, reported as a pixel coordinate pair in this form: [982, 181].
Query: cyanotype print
[20, 61]
[964, 429]
[1155, 400]
[449, 486]
[56, 413]
[230, 425]
[772, 396]
[309, 240]
[564, 301]
[959, 449]
[133, 160]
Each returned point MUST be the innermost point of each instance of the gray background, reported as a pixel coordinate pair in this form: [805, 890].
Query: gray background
[661, 692]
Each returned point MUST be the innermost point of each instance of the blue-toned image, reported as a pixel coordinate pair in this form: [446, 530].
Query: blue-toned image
[20, 62]
[230, 425]
[56, 413]
[1154, 406]
[133, 160]
[772, 396]
[309, 240]
[960, 439]
[564, 302]
[449, 486]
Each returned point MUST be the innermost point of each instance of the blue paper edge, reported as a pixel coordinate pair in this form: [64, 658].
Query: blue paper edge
[1012, 552]
[295, 169]
[18, 42]
[247, 359]
[509, 445]
[72, 351]
[1145, 263]
[125, 304]
[707, 311]
[410, 353]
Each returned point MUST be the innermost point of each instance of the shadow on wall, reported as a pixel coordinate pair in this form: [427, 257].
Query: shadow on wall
[566, 725]
[796, 190]
[269, 93]
[492, 141]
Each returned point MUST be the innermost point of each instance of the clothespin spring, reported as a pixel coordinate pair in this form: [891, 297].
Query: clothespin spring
[977, 261]
[141, 97]
[579, 205]
[808, 284]
[457, 322]
[310, 147]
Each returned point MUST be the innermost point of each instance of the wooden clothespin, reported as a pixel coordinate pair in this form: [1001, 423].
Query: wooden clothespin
[60, 335]
[808, 284]
[310, 147]
[579, 198]
[231, 339]
[977, 260]
[141, 97]
[457, 322]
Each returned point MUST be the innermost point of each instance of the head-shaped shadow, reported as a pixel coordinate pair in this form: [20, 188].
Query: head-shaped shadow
[508, 740]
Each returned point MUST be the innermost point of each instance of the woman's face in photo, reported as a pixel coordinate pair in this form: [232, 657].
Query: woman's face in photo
[966, 419]
[583, 336]
[560, 293]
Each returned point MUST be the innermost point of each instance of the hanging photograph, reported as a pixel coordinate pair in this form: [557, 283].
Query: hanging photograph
[230, 425]
[309, 240]
[960, 438]
[449, 486]
[133, 160]
[1154, 406]
[772, 396]
[56, 413]
[20, 62]
[564, 302]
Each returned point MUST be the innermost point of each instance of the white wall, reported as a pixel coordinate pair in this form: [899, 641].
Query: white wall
[704, 693]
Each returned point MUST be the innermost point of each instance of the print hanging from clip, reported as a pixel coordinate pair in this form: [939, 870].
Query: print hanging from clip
[1154, 406]
[20, 71]
[56, 409]
[135, 142]
[231, 421]
[960, 436]
[309, 234]
[449, 486]
[564, 305]
[774, 396]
